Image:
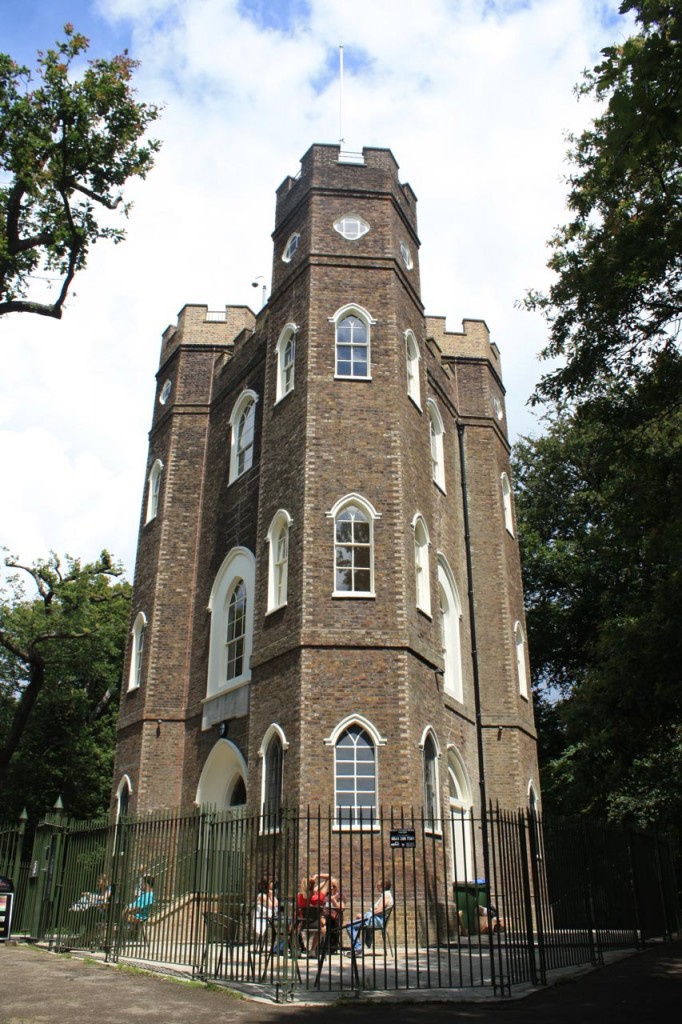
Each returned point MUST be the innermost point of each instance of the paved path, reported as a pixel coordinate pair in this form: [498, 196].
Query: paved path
[37, 987]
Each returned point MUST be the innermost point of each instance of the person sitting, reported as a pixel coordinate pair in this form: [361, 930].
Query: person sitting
[316, 920]
[138, 910]
[267, 907]
[336, 905]
[372, 919]
[489, 920]
[302, 901]
[99, 898]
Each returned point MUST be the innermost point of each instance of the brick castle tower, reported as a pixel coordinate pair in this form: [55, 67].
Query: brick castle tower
[327, 603]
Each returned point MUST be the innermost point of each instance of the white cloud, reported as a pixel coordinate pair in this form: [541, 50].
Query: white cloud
[472, 97]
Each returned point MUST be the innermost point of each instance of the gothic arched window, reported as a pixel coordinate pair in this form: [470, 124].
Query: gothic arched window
[412, 358]
[353, 546]
[236, 631]
[507, 503]
[243, 424]
[353, 325]
[153, 490]
[231, 638]
[450, 610]
[355, 777]
[436, 431]
[286, 361]
[278, 561]
[521, 669]
[272, 783]
[137, 651]
[431, 786]
[421, 565]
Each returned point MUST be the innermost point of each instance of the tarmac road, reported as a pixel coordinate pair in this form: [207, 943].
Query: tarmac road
[37, 987]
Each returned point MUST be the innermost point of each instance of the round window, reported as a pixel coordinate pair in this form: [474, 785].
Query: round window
[351, 226]
[291, 247]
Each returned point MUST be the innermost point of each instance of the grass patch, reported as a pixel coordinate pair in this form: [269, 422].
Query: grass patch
[208, 986]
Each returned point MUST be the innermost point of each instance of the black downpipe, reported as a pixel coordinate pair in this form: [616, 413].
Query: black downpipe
[477, 686]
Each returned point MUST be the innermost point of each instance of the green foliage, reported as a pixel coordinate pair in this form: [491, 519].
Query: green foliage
[61, 655]
[616, 301]
[599, 495]
[599, 503]
[67, 147]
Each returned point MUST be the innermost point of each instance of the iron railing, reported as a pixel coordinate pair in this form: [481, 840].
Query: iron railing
[11, 844]
[225, 897]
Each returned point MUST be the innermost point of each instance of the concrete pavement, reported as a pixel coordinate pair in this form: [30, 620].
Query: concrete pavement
[38, 987]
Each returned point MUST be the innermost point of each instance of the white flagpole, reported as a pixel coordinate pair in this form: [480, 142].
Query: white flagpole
[341, 138]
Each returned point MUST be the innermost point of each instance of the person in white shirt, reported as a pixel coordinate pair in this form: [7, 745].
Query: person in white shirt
[373, 918]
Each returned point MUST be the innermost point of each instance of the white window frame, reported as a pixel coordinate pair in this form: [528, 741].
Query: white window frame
[137, 651]
[154, 490]
[285, 370]
[239, 564]
[422, 570]
[235, 638]
[371, 514]
[450, 620]
[343, 230]
[432, 824]
[521, 666]
[378, 741]
[352, 309]
[278, 566]
[412, 359]
[507, 504]
[271, 732]
[436, 433]
[247, 399]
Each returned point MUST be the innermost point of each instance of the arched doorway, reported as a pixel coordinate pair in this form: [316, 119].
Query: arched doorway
[461, 846]
[223, 778]
[222, 787]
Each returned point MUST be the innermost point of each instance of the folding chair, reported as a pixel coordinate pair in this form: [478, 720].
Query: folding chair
[221, 930]
[283, 937]
[311, 925]
[382, 930]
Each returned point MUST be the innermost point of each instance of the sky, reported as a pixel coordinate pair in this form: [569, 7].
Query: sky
[474, 98]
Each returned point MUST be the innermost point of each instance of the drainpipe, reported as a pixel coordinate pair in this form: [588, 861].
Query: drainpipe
[477, 687]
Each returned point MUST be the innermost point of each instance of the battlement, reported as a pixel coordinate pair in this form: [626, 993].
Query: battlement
[197, 325]
[328, 166]
[473, 342]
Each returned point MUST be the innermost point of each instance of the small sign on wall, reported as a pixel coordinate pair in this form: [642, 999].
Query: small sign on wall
[402, 839]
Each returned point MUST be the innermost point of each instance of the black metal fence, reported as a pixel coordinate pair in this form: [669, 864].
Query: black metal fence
[401, 903]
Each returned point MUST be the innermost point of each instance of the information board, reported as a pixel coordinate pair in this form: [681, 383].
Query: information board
[6, 901]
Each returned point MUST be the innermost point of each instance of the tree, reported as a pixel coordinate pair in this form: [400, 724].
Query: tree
[68, 146]
[61, 656]
[599, 503]
[616, 302]
[599, 494]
